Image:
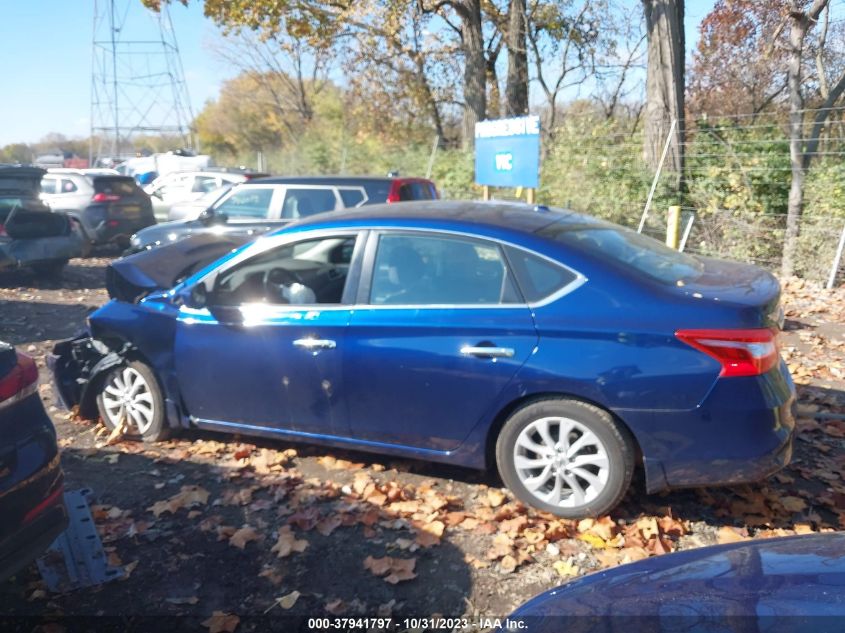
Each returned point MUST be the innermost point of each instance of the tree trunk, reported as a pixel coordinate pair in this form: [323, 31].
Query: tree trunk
[494, 97]
[516, 91]
[475, 69]
[665, 85]
[797, 33]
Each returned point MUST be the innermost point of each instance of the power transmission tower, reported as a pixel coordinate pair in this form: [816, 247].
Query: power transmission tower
[138, 85]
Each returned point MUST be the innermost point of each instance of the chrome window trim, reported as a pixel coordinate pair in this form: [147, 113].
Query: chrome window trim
[273, 241]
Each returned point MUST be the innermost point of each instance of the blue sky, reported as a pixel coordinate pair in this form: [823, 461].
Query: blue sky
[46, 45]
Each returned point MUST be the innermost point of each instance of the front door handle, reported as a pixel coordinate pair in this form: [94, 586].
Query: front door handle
[314, 343]
[487, 352]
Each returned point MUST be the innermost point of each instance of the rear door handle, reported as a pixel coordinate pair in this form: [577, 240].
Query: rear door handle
[314, 343]
[487, 352]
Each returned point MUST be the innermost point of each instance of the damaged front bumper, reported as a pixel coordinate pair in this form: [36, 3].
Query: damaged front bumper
[26, 252]
[76, 364]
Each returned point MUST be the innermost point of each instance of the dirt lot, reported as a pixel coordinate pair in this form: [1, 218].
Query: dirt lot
[244, 528]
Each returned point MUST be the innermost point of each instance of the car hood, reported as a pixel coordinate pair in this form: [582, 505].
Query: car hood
[135, 276]
[800, 575]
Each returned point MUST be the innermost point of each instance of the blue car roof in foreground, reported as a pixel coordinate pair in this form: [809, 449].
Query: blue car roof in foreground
[511, 216]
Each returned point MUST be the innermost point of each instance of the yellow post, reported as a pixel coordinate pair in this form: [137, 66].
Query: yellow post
[519, 192]
[530, 196]
[485, 192]
[673, 227]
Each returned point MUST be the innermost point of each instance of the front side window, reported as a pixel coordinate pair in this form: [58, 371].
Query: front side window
[304, 273]
[301, 203]
[49, 185]
[249, 202]
[204, 184]
[434, 270]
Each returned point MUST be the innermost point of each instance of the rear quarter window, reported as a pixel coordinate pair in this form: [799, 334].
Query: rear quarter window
[118, 185]
[537, 276]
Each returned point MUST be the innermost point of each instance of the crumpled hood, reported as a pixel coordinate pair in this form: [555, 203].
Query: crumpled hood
[135, 276]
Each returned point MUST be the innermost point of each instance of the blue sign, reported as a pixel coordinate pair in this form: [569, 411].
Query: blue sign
[507, 152]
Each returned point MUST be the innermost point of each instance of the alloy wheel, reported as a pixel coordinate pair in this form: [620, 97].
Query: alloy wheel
[560, 461]
[128, 396]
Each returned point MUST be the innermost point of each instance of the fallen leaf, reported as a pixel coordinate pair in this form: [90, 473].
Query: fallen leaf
[565, 568]
[287, 543]
[507, 564]
[335, 607]
[190, 600]
[794, 504]
[243, 536]
[495, 497]
[728, 534]
[221, 622]
[188, 497]
[287, 602]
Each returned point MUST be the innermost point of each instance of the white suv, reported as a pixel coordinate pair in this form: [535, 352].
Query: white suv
[184, 186]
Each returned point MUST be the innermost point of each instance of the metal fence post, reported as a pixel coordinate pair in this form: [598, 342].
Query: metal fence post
[835, 266]
[673, 227]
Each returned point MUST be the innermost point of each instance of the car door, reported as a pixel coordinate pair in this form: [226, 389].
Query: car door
[265, 352]
[439, 331]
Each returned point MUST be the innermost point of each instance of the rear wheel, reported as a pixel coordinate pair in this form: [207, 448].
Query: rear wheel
[50, 269]
[130, 399]
[566, 457]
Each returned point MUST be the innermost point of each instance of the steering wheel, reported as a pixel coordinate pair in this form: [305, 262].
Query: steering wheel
[276, 279]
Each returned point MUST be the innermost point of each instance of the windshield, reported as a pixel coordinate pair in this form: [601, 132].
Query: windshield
[631, 250]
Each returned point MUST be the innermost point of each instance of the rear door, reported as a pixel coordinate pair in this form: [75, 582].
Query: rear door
[439, 331]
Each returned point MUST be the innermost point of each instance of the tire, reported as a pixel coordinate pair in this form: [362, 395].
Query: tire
[52, 269]
[136, 381]
[605, 456]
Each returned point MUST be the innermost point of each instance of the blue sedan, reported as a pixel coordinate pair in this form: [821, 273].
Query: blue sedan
[558, 348]
[785, 585]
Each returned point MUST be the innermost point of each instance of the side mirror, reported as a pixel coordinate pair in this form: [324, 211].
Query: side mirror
[198, 296]
[208, 217]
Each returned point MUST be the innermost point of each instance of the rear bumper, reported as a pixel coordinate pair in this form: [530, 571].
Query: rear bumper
[110, 230]
[26, 252]
[32, 511]
[33, 539]
[741, 433]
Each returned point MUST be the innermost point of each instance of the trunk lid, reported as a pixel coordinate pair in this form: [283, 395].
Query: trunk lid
[755, 291]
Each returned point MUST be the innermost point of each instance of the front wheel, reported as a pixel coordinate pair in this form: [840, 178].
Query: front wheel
[566, 457]
[131, 399]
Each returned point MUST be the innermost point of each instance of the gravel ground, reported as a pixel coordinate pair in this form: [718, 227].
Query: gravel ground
[221, 530]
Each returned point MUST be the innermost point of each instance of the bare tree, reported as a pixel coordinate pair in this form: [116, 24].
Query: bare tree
[516, 91]
[802, 150]
[665, 85]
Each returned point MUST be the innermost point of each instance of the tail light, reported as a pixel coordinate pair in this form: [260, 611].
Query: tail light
[740, 352]
[393, 194]
[105, 197]
[19, 383]
[52, 499]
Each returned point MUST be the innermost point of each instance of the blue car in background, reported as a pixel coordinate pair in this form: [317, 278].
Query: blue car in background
[558, 348]
[784, 585]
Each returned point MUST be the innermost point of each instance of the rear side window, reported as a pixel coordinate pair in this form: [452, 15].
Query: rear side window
[351, 197]
[301, 203]
[249, 202]
[68, 186]
[433, 270]
[537, 276]
[48, 185]
[632, 250]
[118, 185]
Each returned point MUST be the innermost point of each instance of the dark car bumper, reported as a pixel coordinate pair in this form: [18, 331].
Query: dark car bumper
[32, 510]
[26, 252]
[34, 538]
[115, 230]
[742, 432]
